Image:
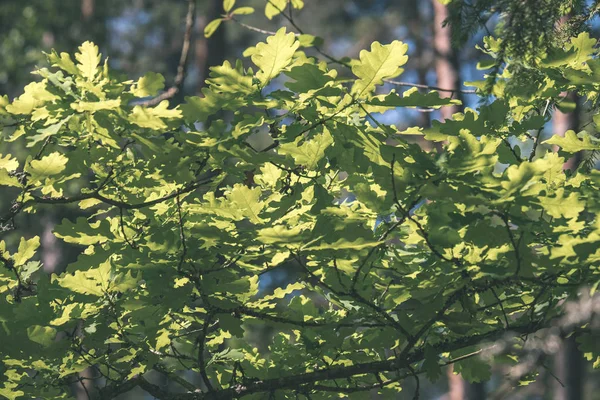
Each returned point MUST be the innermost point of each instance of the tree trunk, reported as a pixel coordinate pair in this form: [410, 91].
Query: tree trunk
[569, 368]
[456, 385]
[447, 66]
[562, 122]
[568, 362]
[87, 9]
[477, 391]
[420, 27]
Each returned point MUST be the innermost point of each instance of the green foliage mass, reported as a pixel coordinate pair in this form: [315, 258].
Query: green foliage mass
[408, 259]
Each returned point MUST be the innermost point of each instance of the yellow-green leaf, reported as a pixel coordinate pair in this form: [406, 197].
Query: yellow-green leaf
[247, 201]
[243, 11]
[228, 5]
[8, 163]
[43, 335]
[275, 7]
[26, 250]
[88, 60]
[7, 180]
[93, 282]
[82, 106]
[52, 164]
[211, 27]
[148, 85]
[153, 117]
[63, 62]
[274, 55]
[573, 143]
[382, 62]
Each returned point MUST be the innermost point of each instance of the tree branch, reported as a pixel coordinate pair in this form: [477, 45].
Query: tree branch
[182, 66]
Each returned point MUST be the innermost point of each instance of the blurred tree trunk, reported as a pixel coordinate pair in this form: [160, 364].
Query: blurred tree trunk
[447, 72]
[447, 65]
[569, 368]
[419, 28]
[477, 391]
[564, 121]
[456, 385]
[447, 68]
[569, 364]
[87, 9]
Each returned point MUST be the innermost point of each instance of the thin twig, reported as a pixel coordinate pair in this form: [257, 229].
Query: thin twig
[501, 307]
[428, 87]
[417, 381]
[201, 347]
[539, 132]
[182, 66]
[181, 234]
[131, 243]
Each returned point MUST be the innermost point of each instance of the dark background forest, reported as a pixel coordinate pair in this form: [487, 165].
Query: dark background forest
[147, 35]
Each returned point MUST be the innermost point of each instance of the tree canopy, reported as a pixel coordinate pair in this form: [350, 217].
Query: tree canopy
[404, 260]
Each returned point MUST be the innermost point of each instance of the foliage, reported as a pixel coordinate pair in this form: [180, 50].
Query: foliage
[409, 259]
[528, 29]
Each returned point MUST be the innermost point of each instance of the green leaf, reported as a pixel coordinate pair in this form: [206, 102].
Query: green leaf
[43, 335]
[163, 339]
[52, 164]
[274, 55]
[275, 7]
[473, 370]
[148, 85]
[413, 98]
[560, 205]
[309, 153]
[573, 143]
[280, 234]
[431, 364]
[63, 62]
[228, 5]
[247, 202]
[212, 27]
[306, 40]
[46, 132]
[26, 250]
[94, 282]
[154, 117]
[344, 244]
[35, 95]
[29, 269]
[88, 60]
[10, 391]
[243, 11]
[355, 234]
[82, 106]
[584, 47]
[7, 180]
[125, 281]
[308, 77]
[382, 62]
[8, 163]
[83, 233]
